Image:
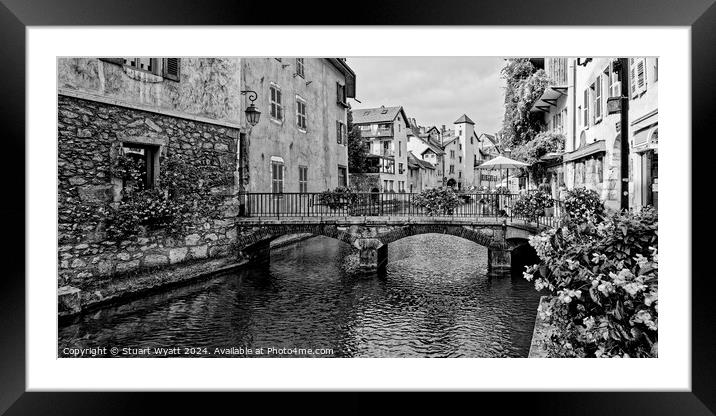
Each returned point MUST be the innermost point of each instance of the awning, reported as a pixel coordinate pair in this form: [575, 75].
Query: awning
[549, 98]
[646, 138]
[588, 150]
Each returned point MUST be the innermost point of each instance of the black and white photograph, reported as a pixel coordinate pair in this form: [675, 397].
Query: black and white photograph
[360, 206]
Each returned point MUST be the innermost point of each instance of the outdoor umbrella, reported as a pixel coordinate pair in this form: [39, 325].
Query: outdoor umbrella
[502, 162]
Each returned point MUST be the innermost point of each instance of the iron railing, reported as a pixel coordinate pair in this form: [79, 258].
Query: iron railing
[371, 204]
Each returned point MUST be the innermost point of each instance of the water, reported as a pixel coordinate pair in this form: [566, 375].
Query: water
[434, 300]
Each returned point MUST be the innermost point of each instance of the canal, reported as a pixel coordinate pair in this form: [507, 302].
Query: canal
[434, 300]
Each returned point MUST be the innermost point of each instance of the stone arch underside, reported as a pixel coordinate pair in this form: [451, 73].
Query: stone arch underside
[484, 236]
[249, 238]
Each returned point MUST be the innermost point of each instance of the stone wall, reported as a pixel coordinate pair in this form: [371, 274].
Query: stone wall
[90, 134]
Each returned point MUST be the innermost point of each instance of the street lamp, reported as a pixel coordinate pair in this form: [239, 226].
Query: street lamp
[252, 113]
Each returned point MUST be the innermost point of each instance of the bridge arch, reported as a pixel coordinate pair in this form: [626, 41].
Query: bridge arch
[484, 236]
[251, 241]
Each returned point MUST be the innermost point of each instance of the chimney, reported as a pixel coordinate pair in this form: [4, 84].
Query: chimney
[443, 129]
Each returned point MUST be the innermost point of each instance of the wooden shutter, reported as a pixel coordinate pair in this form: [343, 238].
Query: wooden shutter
[641, 74]
[632, 78]
[171, 69]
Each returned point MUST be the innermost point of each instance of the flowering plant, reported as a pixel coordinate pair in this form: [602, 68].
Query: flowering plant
[604, 282]
[437, 201]
[338, 198]
[583, 205]
[532, 205]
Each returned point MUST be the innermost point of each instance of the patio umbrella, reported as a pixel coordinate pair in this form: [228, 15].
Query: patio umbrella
[502, 162]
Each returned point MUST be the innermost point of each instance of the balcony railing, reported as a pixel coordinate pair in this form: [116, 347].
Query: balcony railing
[476, 205]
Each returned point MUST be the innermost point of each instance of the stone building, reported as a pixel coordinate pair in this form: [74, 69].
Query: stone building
[461, 154]
[575, 105]
[150, 114]
[301, 141]
[386, 129]
[153, 154]
[421, 174]
[426, 146]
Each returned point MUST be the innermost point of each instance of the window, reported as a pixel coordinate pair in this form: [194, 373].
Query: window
[597, 94]
[400, 148]
[459, 159]
[452, 154]
[144, 64]
[614, 81]
[276, 107]
[599, 168]
[300, 113]
[459, 146]
[165, 67]
[401, 186]
[638, 76]
[277, 177]
[341, 95]
[471, 140]
[452, 168]
[303, 179]
[300, 67]
[459, 174]
[400, 168]
[341, 132]
[579, 115]
[147, 158]
[342, 176]
[586, 108]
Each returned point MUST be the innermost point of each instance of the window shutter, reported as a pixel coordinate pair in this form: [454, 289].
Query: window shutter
[641, 73]
[171, 69]
[632, 78]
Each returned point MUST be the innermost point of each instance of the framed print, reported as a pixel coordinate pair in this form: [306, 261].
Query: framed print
[249, 205]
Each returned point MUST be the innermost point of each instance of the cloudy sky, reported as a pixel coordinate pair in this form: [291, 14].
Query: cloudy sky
[434, 91]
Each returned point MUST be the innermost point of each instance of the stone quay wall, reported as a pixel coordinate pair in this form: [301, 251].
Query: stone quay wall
[90, 135]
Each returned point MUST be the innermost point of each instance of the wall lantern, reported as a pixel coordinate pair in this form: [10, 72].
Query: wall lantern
[252, 113]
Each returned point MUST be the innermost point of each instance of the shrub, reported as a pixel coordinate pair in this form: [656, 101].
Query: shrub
[150, 208]
[532, 205]
[437, 201]
[604, 282]
[583, 205]
[338, 198]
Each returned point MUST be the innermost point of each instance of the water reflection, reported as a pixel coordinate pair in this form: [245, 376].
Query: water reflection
[434, 300]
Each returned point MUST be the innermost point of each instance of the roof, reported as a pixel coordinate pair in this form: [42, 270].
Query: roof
[341, 65]
[433, 128]
[418, 163]
[464, 119]
[378, 115]
[445, 144]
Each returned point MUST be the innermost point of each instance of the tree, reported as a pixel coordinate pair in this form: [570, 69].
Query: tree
[524, 86]
[356, 147]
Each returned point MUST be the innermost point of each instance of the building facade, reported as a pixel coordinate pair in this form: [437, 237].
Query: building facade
[137, 129]
[386, 130]
[301, 141]
[576, 106]
[172, 132]
[461, 152]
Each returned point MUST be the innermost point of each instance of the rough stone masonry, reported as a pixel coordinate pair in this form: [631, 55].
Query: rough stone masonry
[90, 134]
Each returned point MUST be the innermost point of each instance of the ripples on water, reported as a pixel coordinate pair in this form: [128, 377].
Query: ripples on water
[434, 300]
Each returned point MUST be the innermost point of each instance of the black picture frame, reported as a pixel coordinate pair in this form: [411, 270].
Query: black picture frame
[15, 15]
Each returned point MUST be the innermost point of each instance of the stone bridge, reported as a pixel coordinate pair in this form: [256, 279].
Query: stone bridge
[372, 235]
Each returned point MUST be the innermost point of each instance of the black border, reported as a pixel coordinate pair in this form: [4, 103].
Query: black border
[15, 15]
